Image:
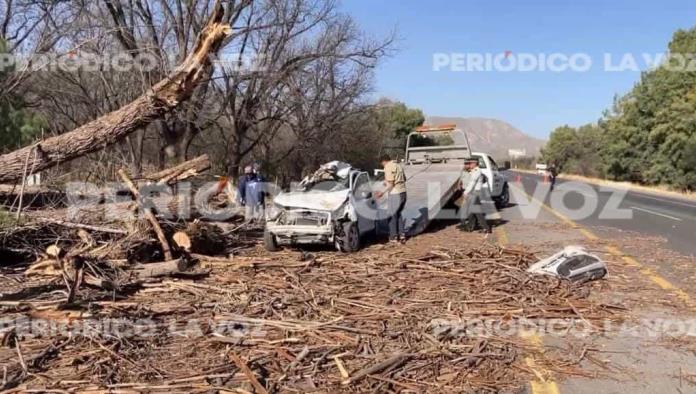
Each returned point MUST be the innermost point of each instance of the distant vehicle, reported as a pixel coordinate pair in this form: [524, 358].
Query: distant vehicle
[542, 169]
[325, 210]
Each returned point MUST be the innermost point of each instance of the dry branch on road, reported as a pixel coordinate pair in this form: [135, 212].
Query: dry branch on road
[380, 320]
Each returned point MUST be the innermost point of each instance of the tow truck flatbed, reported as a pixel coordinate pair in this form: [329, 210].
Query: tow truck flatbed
[429, 188]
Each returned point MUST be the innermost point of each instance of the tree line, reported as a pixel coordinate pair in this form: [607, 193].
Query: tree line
[649, 134]
[291, 89]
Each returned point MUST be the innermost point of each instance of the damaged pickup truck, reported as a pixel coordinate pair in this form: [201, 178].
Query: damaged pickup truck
[335, 205]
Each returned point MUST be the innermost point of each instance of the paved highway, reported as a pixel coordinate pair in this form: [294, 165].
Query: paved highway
[649, 214]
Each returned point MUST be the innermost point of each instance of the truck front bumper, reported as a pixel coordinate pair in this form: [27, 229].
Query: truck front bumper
[296, 235]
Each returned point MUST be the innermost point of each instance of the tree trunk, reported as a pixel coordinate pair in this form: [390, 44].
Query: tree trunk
[236, 153]
[235, 161]
[113, 127]
[190, 133]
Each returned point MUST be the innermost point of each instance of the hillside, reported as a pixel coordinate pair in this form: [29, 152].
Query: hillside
[492, 135]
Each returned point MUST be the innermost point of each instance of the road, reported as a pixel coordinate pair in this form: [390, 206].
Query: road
[650, 214]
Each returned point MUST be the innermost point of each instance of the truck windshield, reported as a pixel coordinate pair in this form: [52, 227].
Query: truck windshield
[431, 140]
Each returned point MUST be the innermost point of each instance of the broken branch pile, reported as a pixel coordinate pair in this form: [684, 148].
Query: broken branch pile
[379, 321]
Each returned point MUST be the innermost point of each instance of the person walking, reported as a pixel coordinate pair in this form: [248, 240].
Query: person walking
[473, 191]
[553, 172]
[395, 179]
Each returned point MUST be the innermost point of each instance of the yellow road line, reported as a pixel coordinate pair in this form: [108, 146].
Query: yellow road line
[544, 387]
[616, 252]
[544, 383]
[650, 273]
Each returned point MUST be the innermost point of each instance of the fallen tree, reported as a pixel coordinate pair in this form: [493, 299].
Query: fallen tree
[114, 126]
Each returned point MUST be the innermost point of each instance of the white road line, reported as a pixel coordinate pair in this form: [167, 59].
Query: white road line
[664, 200]
[643, 194]
[656, 213]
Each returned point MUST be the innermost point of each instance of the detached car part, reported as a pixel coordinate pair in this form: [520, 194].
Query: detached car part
[573, 263]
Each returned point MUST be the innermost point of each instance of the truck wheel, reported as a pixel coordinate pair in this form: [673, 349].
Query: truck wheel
[504, 199]
[269, 241]
[470, 225]
[349, 241]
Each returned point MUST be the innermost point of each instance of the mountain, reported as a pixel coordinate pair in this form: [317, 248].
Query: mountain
[491, 135]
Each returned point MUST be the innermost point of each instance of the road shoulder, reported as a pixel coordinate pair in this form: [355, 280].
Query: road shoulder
[623, 359]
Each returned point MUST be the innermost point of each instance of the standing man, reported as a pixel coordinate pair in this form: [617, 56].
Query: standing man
[249, 194]
[473, 190]
[262, 191]
[395, 178]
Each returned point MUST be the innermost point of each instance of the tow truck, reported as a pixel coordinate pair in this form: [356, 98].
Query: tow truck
[434, 165]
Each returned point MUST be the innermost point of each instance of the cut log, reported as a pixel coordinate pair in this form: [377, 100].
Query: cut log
[113, 127]
[158, 270]
[34, 196]
[201, 238]
[182, 171]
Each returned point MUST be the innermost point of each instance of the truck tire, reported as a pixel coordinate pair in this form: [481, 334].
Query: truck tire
[503, 200]
[470, 225]
[349, 240]
[270, 242]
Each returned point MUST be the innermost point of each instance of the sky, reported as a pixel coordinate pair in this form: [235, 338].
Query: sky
[535, 101]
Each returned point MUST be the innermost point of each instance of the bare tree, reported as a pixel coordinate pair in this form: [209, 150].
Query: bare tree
[312, 62]
[27, 28]
[162, 30]
[160, 99]
[290, 77]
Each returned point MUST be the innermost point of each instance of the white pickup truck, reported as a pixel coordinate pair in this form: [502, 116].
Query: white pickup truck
[497, 182]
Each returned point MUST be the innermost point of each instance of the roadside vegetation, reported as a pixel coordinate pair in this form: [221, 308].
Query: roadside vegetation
[6, 219]
[17, 126]
[648, 136]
